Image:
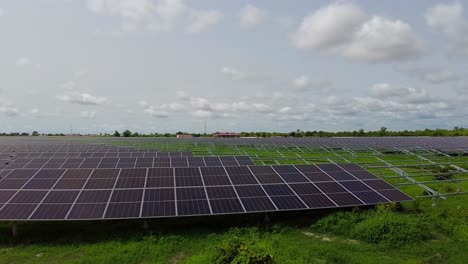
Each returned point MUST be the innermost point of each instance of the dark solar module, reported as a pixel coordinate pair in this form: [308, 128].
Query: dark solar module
[87, 211]
[93, 196]
[61, 197]
[329, 167]
[51, 211]
[158, 209]
[250, 191]
[221, 192]
[317, 176]
[225, 206]
[287, 202]
[317, 201]
[123, 210]
[194, 207]
[370, 197]
[344, 199]
[196, 193]
[158, 195]
[257, 204]
[330, 187]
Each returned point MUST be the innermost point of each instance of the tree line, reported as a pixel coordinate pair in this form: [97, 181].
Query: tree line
[382, 132]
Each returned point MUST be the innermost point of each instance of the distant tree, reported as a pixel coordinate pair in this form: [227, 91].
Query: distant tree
[127, 133]
[382, 131]
[116, 134]
[35, 133]
[361, 132]
[135, 134]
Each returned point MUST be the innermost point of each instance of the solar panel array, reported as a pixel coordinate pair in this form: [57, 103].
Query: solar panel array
[109, 163]
[95, 194]
[83, 144]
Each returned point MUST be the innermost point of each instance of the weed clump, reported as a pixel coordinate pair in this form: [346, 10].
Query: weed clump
[383, 226]
[238, 250]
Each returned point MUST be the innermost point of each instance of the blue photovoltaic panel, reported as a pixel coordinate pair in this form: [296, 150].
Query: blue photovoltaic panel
[73, 191]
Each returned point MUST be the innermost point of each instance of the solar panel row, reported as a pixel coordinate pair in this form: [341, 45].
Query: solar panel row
[93, 194]
[92, 163]
[87, 154]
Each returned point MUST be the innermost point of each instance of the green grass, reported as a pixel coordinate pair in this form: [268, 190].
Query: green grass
[413, 232]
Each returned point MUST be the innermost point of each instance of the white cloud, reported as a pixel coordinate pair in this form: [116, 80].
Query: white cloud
[441, 76]
[251, 16]
[25, 61]
[7, 108]
[303, 82]
[449, 19]
[427, 74]
[233, 73]
[154, 112]
[329, 27]
[384, 90]
[79, 74]
[83, 99]
[410, 95]
[168, 13]
[201, 20]
[160, 15]
[87, 114]
[344, 29]
[69, 85]
[381, 39]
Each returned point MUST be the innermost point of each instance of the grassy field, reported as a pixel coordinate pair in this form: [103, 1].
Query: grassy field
[413, 232]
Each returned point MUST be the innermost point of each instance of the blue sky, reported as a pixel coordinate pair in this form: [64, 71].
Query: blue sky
[170, 65]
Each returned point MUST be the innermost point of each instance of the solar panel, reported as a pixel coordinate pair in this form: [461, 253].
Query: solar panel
[121, 193]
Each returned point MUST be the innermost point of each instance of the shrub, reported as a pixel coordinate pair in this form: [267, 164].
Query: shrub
[338, 223]
[391, 229]
[237, 250]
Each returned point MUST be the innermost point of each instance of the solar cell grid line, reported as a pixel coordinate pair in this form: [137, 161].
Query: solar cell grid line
[143, 196]
[317, 187]
[50, 189]
[175, 192]
[291, 188]
[269, 198]
[242, 204]
[204, 188]
[344, 188]
[16, 192]
[370, 187]
[110, 196]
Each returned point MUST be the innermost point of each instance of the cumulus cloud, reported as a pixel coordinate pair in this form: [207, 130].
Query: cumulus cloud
[345, 29]
[251, 16]
[233, 73]
[303, 82]
[87, 114]
[155, 112]
[449, 19]
[69, 85]
[427, 74]
[411, 95]
[83, 99]
[160, 15]
[201, 20]
[25, 61]
[7, 108]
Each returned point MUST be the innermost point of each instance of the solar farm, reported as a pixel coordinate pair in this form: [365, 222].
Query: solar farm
[147, 182]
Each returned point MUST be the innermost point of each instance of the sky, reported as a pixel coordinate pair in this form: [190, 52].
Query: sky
[95, 66]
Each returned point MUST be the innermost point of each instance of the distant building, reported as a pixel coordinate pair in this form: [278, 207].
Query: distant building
[226, 135]
[184, 136]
